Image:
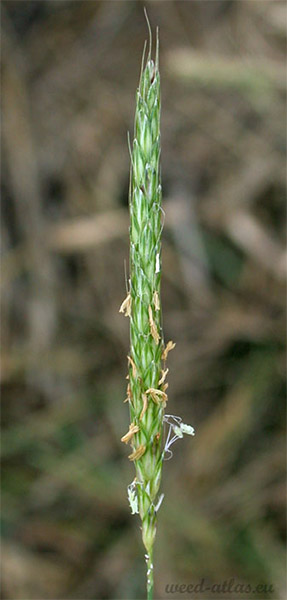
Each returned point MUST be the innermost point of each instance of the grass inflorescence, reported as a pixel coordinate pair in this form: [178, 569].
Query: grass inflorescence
[147, 386]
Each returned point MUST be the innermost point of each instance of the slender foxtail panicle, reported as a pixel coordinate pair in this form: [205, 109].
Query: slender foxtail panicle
[146, 390]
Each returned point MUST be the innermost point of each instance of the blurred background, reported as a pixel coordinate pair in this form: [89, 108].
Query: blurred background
[69, 75]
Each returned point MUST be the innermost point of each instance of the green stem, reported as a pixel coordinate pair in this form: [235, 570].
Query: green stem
[149, 576]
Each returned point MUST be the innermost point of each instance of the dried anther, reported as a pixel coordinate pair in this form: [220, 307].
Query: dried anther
[131, 362]
[136, 454]
[163, 376]
[170, 345]
[156, 301]
[157, 396]
[126, 306]
[153, 329]
[129, 394]
[145, 405]
[128, 436]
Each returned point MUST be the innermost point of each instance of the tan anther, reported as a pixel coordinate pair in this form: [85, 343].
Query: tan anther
[131, 362]
[136, 454]
[153, 329]
[170, 345]
[145, 405]
[156, 301]
[129, 394]
[128, 436]
[157, 395]
[165, 386]
[126, 306]
[163, 376]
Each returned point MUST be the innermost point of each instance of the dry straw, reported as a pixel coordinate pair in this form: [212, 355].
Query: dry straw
[146, 390]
